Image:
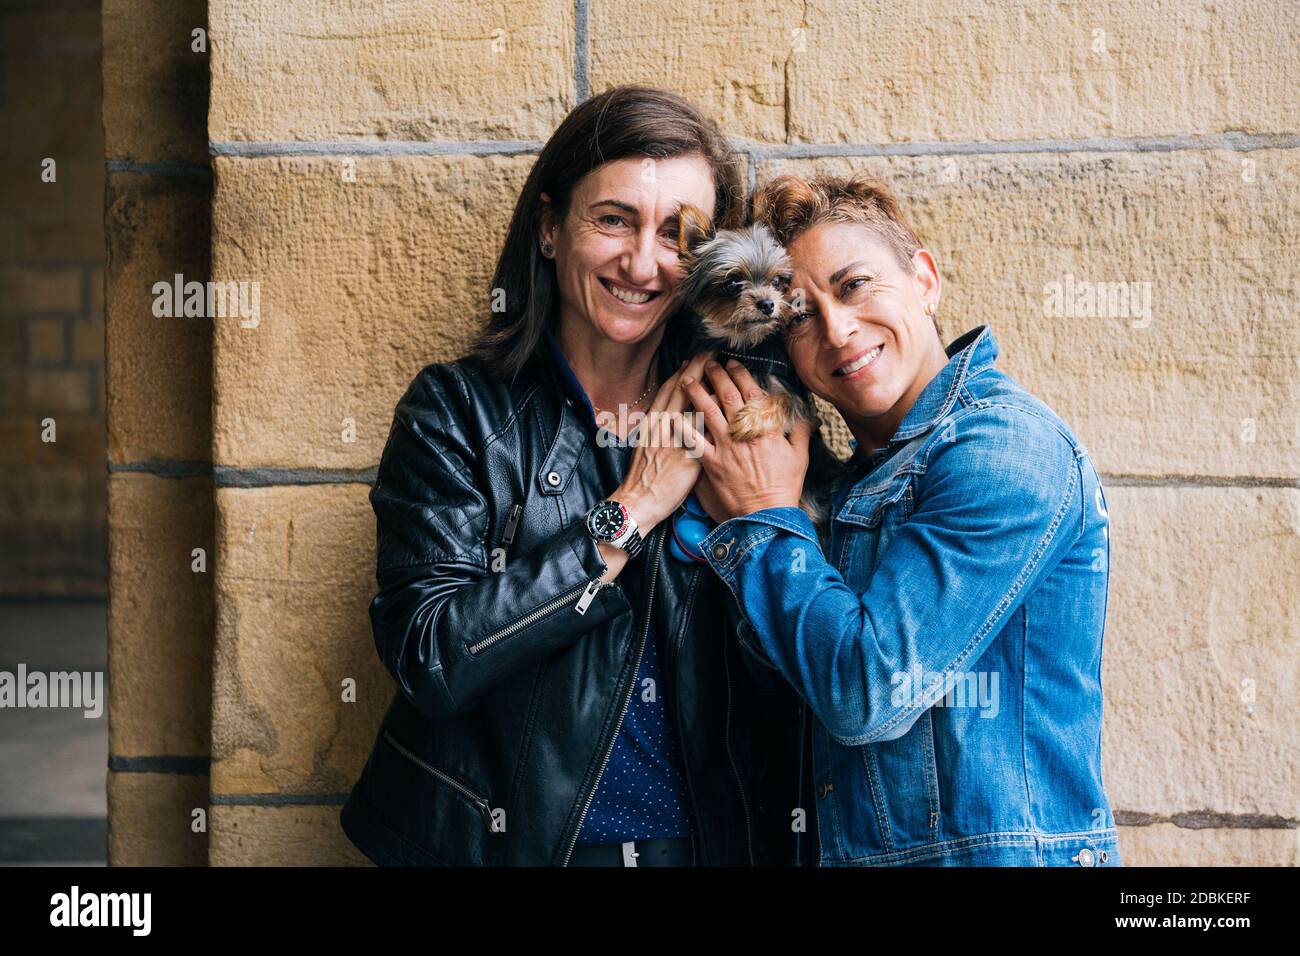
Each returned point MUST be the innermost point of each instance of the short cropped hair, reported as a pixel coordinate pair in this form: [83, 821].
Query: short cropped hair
[789, 206]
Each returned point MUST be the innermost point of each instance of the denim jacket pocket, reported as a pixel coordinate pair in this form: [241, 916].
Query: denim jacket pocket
[867, 523]
[898, 805]
[868, 508]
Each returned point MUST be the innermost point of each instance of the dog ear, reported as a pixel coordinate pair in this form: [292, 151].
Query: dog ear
[693, 227]
[763, 206]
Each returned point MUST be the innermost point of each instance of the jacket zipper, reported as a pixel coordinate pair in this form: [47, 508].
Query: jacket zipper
[676, 647]
[588, 590]
[512, 525]
[631, 688]
[484, 808]
[744, 802]
[799, 800]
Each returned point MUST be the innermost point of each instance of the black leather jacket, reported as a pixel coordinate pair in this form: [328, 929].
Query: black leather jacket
[513, 670]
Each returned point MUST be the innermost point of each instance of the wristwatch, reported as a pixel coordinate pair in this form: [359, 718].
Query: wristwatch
[610, 521]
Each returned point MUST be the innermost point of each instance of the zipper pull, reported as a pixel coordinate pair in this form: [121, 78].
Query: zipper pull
[512, 524]
[588, 596]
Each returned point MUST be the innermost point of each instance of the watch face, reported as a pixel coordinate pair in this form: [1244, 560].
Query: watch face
[606, 520]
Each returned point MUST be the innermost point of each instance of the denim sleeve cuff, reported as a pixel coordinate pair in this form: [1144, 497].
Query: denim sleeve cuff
[726, 545]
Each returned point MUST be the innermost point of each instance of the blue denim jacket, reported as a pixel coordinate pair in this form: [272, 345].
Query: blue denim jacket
[947, 638]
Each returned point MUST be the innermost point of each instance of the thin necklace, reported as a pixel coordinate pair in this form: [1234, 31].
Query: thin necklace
[640, 398]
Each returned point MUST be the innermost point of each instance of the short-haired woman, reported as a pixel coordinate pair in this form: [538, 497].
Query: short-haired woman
[948, 637]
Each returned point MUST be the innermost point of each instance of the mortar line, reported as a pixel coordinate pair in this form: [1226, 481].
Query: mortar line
[1237, 142]
[1207, 820]
[277, 799]
[581, 49]
[159, 763]
[164, 468]
[231, 477]
[165, 168]
[479, 147]
[1197, 481]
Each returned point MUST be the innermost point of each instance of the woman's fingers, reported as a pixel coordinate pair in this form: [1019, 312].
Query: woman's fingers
[724, 388]
[744, 382]
[676, 402]
[697, 444]
[667, 391]
[714, 420]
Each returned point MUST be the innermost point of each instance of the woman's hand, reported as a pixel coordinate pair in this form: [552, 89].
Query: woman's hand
[664, 465]
[746, 476]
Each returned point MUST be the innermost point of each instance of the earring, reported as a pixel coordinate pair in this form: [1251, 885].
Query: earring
[930, 309]
[548, 250]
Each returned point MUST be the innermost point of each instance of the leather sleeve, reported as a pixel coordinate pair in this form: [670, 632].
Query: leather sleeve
[447, 626]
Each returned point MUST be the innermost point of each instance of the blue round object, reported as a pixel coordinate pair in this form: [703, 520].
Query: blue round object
[689, 527]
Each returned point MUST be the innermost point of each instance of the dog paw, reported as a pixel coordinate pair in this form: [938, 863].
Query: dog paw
[759, 416]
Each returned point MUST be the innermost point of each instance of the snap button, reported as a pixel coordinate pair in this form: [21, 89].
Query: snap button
[1084, 857]
[824, 788]
[722, 549]
[553, 479]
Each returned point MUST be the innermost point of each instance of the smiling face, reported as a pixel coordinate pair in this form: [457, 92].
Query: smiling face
[863, 340]
[616, 248]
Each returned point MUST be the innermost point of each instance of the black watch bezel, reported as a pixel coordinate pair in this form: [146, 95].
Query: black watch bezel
[634, 542]
[595, 510]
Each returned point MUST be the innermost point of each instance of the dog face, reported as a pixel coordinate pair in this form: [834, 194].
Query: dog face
[737, 280]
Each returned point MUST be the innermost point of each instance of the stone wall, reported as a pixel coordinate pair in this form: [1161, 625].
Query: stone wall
[364, 160]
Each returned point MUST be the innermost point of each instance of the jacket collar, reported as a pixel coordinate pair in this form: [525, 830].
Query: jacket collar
[967, 355]
[570, 386]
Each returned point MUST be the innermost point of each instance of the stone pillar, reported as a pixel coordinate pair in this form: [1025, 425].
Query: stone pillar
[157, 215]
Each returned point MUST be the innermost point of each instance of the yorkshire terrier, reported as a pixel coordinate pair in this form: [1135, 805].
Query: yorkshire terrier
[737, 284]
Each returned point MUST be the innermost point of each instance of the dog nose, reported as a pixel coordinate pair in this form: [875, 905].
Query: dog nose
[766, 306]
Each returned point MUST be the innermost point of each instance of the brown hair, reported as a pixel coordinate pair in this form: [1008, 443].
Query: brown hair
[790, 206]
[622, 122]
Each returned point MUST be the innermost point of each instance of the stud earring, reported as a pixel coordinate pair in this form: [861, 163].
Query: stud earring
[931, 309]
[548, 250]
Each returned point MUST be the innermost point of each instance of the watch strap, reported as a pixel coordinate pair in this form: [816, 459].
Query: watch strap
[631, 542]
